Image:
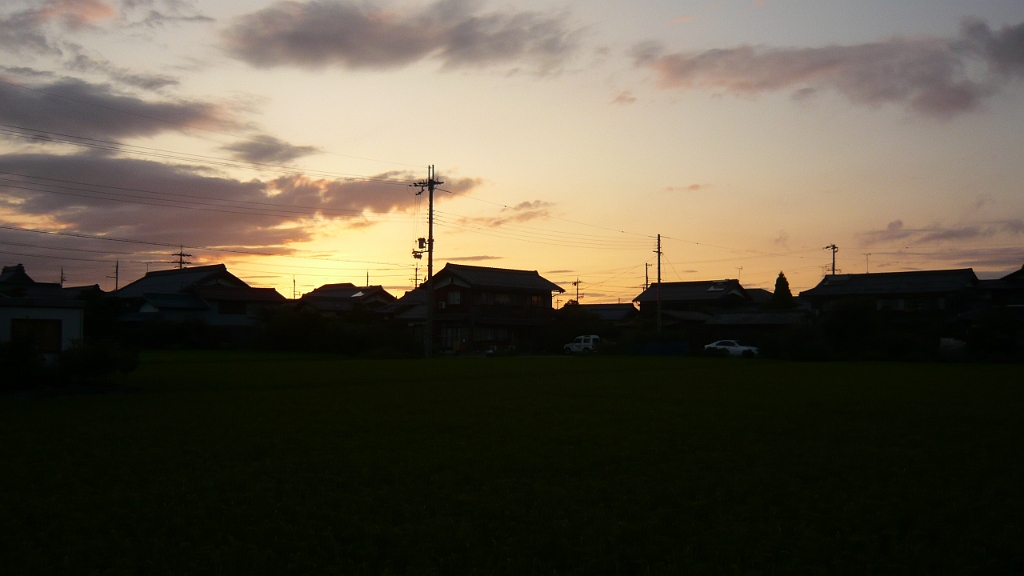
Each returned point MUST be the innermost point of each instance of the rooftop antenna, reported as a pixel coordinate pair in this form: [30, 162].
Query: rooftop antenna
[62, 277]
[739, 273]
[867, 263]
[181, 258]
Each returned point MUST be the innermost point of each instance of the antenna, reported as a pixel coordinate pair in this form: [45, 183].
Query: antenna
[739, 273]
[181, 258]
[117, 271]
[867, 263]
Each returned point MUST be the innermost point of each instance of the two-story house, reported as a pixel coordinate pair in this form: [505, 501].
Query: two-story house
[477, 309]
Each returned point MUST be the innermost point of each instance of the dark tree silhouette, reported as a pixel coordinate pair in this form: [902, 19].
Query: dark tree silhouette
[782, 298]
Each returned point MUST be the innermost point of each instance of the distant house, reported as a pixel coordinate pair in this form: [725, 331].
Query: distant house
[479, 308]
[930, 291]
[702, 297]
[1007, 291]
[338, 299]
[207, 294]
[46, 315]
[14, 281]
[613, 313]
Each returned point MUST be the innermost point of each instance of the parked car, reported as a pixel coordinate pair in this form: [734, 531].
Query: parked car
[583, 345]
[733, 347]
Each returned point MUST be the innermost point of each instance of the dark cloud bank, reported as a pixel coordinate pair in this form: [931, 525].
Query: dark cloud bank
[930, 76]
[361, 35]
[229, 216]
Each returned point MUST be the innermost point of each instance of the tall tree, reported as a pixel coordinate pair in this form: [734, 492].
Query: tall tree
[782, 298]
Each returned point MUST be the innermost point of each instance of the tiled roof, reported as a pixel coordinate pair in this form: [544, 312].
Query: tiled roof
[702, 291]
[500, 278]
[237, 293]
[919, 282]
[171, 281]
[15, 275]
[175, 301]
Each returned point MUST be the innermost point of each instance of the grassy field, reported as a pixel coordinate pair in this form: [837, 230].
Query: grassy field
[222, 463]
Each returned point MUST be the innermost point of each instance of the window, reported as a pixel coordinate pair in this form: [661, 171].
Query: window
[536, 301]
[45, 335]
[228, 307]
[454, 297]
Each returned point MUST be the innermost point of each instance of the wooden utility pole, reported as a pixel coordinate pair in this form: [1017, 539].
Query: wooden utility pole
[577, 285]
[658, 286]
[428, 186]
[834, 249]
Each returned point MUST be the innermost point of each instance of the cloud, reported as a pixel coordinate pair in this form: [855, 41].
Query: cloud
[929, 76]
[625, 97]
[473, 258]
[268, 149]
[158, 14]
[355, 35]
[935, 234]
[690, 188]
[683, 19]
[183, 204]
[81, 62]
[782, 239]
[24, 32]
[80, 108]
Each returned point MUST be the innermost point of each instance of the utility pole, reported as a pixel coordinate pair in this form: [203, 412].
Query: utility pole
[294, 295]
[367, 278]
[428, 186]
[867, 263]
[181, 258]
[62, 277]
[647, 279]
[834, 249]
[658, 287]
[117, 266]
[577, 285]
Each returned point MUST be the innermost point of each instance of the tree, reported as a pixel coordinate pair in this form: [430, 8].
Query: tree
[782, 298]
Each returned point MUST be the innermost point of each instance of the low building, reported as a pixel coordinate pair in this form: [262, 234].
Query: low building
[928, 291]
[51, 325]
[611, 313]
[205, 294]
[340, 299]
[479, 308]
[707, 296]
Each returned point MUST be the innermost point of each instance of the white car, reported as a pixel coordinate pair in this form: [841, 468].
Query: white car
[583, 345]
[734, 348]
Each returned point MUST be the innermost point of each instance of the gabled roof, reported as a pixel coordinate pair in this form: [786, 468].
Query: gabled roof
[1017, 276]
[15, 275]
[237, 293]
[702, 291]
[175, 301]
[895, 283]
[500, 278]
[347, 290]
[759, 295]
[171, 281]
[342, 290]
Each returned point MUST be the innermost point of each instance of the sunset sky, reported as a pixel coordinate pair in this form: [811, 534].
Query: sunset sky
[280, 138]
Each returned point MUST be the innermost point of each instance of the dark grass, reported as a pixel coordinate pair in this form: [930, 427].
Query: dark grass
[216, 463]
